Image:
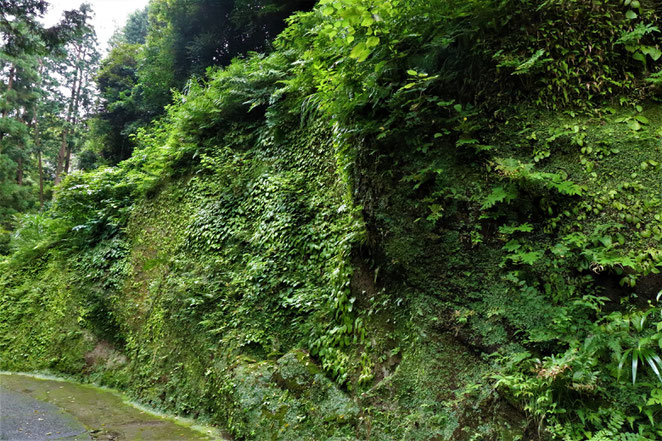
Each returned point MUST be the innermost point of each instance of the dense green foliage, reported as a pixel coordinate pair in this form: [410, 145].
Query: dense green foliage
[411, 220]
[162, 47]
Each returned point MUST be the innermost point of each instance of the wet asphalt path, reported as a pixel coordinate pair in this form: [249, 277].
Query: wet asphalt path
[22, 418]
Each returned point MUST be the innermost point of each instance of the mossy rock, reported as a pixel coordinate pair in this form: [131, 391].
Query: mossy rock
[290, 399]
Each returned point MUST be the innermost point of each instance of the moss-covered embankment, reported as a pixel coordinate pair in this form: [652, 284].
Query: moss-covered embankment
[211, 299]
[357, 246]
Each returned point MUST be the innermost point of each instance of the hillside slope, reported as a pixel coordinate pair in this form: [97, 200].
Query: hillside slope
[443, 227]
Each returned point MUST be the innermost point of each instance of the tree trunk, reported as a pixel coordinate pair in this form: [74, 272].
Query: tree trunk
[19, 171]
[41, 180]
[67, 158]
[76, 103]
[19, 160]
[63, 153]
[37, 142]
[10, 85]
[59, 166]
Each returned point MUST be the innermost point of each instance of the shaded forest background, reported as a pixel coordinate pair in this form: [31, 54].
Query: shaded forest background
[64, 107]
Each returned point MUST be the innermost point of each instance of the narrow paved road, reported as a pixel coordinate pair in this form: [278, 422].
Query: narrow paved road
[39, 409]
[24, 418]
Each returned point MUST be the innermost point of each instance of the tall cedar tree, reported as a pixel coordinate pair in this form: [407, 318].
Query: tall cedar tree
[24, 42]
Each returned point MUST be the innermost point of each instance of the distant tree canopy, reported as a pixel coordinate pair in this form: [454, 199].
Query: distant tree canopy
[164, 45]
[135, 30]
[25, 46]
[200, 33]
[21, 32]
[119, 112]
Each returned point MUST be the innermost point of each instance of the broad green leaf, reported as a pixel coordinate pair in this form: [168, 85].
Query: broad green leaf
[367, 21]
[531, 257]
[642, 119]
[606, 241]
[633, 124]
[360, 52]
[372, 42]
[652, 52]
